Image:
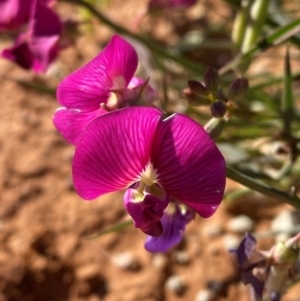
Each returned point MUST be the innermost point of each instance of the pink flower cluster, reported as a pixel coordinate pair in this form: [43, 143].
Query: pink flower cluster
[168, 166]
[39, 29]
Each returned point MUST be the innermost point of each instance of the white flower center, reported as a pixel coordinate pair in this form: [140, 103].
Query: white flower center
[149, 175]
[118, 83]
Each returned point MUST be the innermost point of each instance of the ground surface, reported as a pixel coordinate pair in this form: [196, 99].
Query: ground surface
[44, 253]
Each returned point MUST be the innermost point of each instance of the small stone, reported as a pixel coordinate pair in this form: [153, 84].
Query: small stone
[181, 257]
[241, 224]
[126, 261]
[287, 221]
[204, 295]
[159, 261]
[176, 284]
[231, 242]
[212, 230]
[87, 271]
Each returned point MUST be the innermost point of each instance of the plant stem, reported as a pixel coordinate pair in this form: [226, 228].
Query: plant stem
[192, 65]
[258, 15]
[240, 24]
[262, 188]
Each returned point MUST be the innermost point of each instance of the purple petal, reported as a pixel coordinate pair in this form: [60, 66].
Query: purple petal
[20, 53]
[173, 227]
[71, 123]
[150, 93]
[14, 13]
[146, 210]
[190, 166]
[154, 229]
[245, 250]
[89, 86]
[45, 31]
[114, 150]
[256, 284]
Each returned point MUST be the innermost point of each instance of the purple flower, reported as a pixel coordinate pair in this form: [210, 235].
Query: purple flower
[39, 45]
[170, 168]
[106, 83]
[252, 265]
[269, 269]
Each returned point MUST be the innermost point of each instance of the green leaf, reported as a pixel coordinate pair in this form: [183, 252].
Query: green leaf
[115, 228]
[287, 99]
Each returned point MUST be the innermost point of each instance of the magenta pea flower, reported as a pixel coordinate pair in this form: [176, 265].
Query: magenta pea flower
[106, 83]
[169, 167]
[39, 45]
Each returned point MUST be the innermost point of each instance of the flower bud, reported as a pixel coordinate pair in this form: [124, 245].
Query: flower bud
[195, 99]
[283, 253]
[214, 127]
[197, 88]
[218, 109]
[211, 79]
[238, 88]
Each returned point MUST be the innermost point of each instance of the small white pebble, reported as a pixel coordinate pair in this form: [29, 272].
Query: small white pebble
[181, 257]
[159, 261]
[241, 224]
[175, 284]
[204, 295]
[126, 261]
[286, 221]
[231, 242]
[212, 230]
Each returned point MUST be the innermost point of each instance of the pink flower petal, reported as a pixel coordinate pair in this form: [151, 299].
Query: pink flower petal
[14, 13]
[71, 123]
[89, 86]
[45, 31]
[190, 166]
[20, 52]
[114, 150]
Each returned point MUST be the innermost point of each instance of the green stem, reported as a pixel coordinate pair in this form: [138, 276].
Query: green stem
[258, 13]
[240, 24]
[262, 188]
[287, 99]
[192, 65]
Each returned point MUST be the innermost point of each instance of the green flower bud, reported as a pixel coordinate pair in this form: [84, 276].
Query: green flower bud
[285, 254]
[214, 127]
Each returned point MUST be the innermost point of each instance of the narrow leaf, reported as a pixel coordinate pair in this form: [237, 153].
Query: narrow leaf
[115, 228]
[280, 35]
[287, 99]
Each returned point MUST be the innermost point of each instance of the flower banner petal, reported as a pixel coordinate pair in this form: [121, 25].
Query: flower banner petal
[190, 166]
[114, 150]
[89, 86]
[71, 123]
